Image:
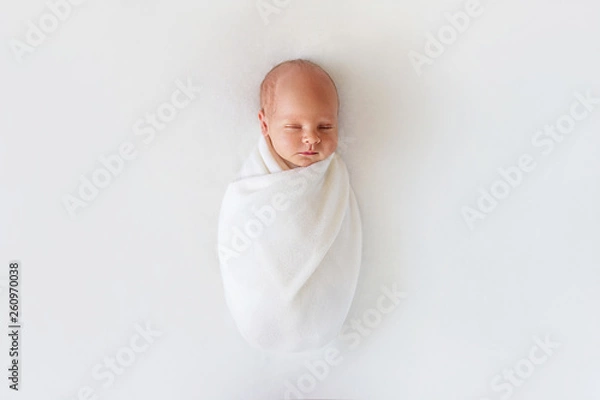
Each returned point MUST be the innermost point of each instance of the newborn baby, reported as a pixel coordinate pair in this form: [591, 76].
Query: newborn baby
[290, 239]
[299, 113]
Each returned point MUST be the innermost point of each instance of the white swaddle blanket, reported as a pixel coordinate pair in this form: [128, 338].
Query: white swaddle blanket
[290, 245]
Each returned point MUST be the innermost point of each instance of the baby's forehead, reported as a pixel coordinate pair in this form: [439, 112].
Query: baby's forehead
[289, 117]
[286, 80]
[296, 73]
[312, 83]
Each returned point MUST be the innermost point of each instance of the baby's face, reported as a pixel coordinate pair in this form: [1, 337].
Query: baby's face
[304, 126]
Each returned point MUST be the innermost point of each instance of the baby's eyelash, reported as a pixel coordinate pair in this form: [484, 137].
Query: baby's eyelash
[298, 127]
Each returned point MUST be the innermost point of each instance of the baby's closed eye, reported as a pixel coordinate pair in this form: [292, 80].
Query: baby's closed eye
[299, 127]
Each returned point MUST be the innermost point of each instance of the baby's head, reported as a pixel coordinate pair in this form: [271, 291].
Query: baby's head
[299, 112]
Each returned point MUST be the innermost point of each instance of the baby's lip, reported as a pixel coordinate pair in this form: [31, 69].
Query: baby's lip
[309, 152]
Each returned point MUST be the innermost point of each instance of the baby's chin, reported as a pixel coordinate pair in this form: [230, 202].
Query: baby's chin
[304, 161]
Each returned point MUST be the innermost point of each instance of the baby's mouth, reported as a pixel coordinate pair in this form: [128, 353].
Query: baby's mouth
[309, 153]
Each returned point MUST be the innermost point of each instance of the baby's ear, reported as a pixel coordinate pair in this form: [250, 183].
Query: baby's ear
[263, 122]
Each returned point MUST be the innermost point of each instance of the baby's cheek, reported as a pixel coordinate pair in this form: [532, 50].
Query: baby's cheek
[331, 147]
[289, 144]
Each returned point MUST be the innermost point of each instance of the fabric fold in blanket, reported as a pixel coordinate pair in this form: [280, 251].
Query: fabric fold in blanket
[290, 245]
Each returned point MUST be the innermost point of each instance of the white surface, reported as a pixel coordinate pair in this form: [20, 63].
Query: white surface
[417, 148]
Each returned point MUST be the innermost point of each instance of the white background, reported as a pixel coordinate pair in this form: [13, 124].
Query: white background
[417, 148]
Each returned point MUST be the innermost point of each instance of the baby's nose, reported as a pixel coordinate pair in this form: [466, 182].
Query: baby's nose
[311, 137]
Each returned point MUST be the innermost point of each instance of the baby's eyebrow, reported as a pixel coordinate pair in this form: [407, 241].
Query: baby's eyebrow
[324, 121]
